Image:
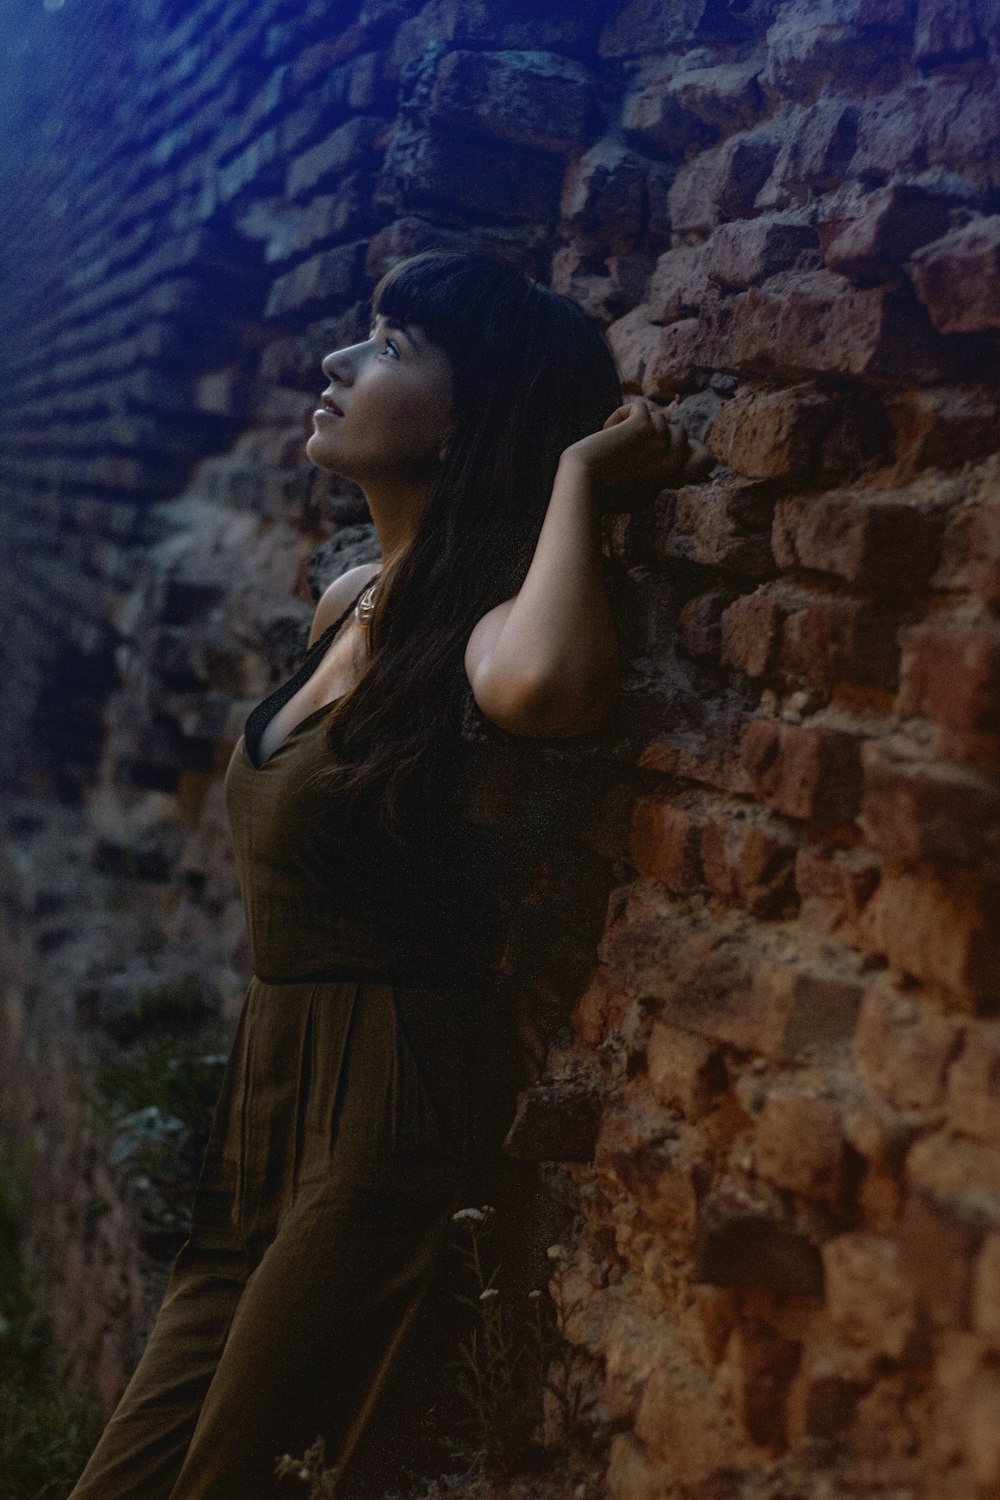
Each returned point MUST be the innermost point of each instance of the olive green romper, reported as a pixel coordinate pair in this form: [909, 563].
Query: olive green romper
[371, 1081]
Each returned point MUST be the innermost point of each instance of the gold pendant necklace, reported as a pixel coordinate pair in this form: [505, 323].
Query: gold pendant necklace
[365, 607]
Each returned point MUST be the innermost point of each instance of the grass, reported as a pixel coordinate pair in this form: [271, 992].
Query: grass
[47, 1431]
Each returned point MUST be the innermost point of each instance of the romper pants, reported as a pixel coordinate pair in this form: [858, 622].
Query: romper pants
[354, 1118]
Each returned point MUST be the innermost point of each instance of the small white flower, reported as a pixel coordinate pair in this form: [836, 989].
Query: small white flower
[534, 1296]
[468, 1216]
[488, 1293]
[558, 1253]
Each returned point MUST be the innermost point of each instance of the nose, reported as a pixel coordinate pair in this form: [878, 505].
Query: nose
[336, 365]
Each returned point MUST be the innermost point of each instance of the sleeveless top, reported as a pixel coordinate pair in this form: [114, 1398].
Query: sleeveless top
[327, 892]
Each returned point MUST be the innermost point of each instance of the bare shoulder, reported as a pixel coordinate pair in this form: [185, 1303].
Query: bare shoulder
[338, 595]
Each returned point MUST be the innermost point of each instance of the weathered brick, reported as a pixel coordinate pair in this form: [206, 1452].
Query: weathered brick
[834, 886]
[945, 32]
[726, 96]
[957, 277]
[799, 1142]
[664, 842]
[916, 809]
[722, 181]
[700, 624]
[943, 428]
[655, 120]
[763, 1364]
[974, 1084]
[425, 167]
[959, 1179]
[751, 861]
[828, 640]
[986, 1289]
[868, 236]
[737, 255]
[678, 285]
[603, 194]
[751, 630]
[674, 365]
[936, 1256]
[724, 524]
[866, 537]
[529, 98]
[686, 1070]
[746, 1242]
[943, 932]
[967, 1405]
[870, 1303]
[634, 342]
[770, 434]
[643, 26]
[811, 771]
[951, 672]
[819, 141]
[817, 323]
[903, 1046]
[971, 548]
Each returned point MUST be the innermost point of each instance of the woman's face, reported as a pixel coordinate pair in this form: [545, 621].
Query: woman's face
[386, 412]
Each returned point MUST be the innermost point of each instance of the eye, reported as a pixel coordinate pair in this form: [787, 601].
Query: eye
[390, 344]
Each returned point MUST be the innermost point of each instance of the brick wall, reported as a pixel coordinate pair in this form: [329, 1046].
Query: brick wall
[782, 1051]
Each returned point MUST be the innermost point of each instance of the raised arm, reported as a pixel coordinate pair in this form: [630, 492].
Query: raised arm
[548, 661]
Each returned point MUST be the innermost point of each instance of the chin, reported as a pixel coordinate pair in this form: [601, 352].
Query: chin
[315, 454]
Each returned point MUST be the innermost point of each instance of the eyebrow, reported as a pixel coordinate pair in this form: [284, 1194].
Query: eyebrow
[406, 328]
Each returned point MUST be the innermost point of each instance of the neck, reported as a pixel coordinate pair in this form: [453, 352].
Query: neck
[396, 512]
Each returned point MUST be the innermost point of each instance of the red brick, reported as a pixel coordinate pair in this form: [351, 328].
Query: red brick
[710, 979]
[971, 550]
[951, 672]
[772, 434]
[943, 428]
[966, 1450]
[724, 180]
[344, 149]
[958, 277]
[946, 31]
[764, 1364]
[737, 255]
[834, 886]
[974, 1084]
[750, 861]
[915, 809]
[902, 1046]
[818, 143]
[686, 1070]
[824, 1393]
[603, 194]
[936, 1255]
[634, 342]
[868, 236]
[811, 772]
[986, 1289]
[943, 932]
[664, 842]
[333, 276]
[803, 323]
[678, 285]
[960, 1179]
[700, 624]
[530, 98]
[799, 1143]
[870, 1303]
[644, 26]
[654, 120]
[674, 365]
[751, 630]
[828, 640]
[725, 524]
[865, 537]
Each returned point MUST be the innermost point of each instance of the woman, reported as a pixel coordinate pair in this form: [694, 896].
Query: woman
[374, 1068]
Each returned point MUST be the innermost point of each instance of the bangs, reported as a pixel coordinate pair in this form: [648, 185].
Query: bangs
[452, 297]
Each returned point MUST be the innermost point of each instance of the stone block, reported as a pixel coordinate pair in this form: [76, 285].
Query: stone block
[750, 860]
[739, 254]
[726, 97]
[763, 1365]
[556, 1120]
[799, 1143]
[645, 26]
[957, 277]
[798, 433]
[535, 99]
[863, 537]
[970, 560]
[751, 630]
[744, 1243]
[946, 31]
[914, 809]
[634, 342]
[811, 771]
[903, 1045]
[674, 365]
[426, 168]
[870, 1302]
[940, 931]
[951, 673]
[958, 1179]
[828, 640]
[700, 625]
[974, 1084]
[834, 886]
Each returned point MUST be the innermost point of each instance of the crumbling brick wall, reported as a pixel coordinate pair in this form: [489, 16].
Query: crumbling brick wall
[781, 1068]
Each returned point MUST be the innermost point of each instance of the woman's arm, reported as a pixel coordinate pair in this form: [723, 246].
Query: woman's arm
[548, 661]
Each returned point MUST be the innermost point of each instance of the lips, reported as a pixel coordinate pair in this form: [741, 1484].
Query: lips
[330, 405]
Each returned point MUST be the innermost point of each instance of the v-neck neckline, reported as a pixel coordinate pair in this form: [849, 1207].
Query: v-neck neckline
[306, 669]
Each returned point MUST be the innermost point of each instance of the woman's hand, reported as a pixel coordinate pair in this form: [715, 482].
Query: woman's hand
[639, 450]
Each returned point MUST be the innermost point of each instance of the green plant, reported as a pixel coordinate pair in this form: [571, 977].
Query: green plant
[310, 1469]
[47, 1430]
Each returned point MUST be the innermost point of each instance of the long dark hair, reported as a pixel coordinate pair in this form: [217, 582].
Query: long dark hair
[532, 374]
